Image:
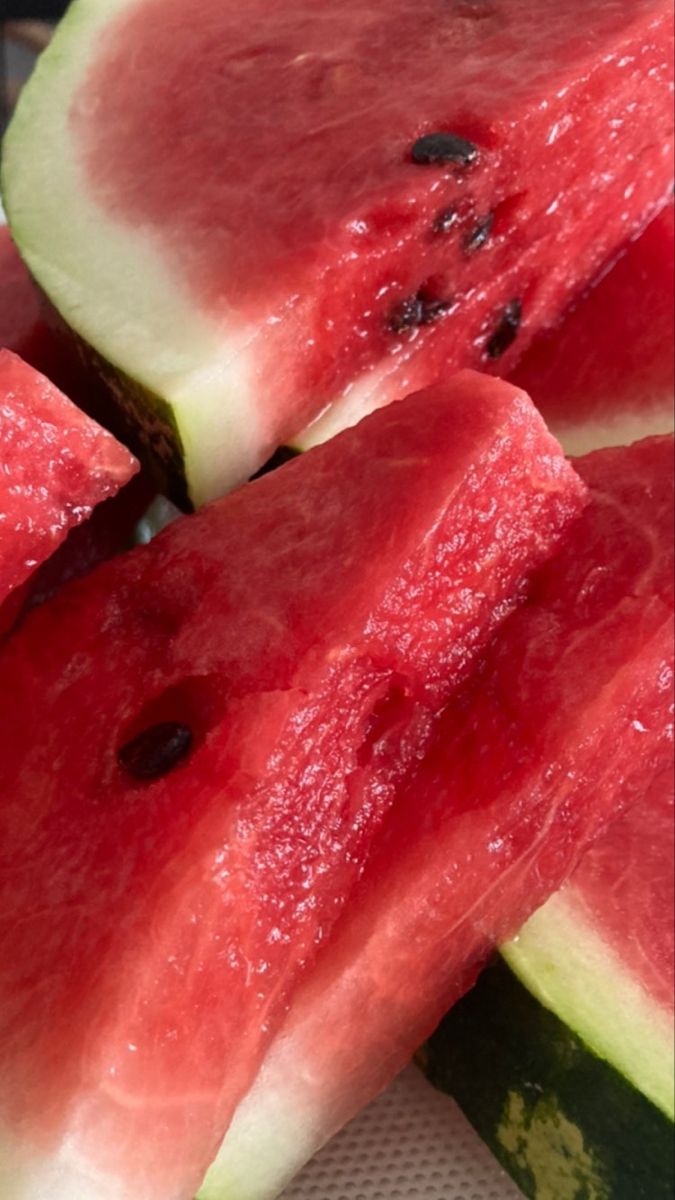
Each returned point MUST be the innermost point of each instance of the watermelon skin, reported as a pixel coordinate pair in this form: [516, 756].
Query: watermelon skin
[270, 301]
[563, 1055]
[561, 1120]
[606, 376]
[567, 722]
[276, 625]
[57, 466]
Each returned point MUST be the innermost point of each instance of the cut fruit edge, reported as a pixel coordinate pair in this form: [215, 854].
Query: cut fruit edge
[175, 352]
[565, 963]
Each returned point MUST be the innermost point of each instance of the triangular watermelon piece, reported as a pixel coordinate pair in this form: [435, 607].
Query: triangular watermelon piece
[606, 376]
[570, 718]
[200, 741]
[56, 466]
[268, 218]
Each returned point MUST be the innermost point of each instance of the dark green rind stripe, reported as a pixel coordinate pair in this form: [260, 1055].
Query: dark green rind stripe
[138, 417]
[146, 423]
[563, 1123]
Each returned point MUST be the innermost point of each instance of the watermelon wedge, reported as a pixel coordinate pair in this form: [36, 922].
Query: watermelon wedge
[22, 327]
[57, 465]
[267, 221]
[570, 718]
[223, 718]
[563, 1056]
[607, 376]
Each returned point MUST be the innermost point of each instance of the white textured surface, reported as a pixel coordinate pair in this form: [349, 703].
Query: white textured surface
[412, 1144]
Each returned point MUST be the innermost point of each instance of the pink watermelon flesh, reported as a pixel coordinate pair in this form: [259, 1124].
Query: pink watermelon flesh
[57, 465]
[22, 328]
[569, 720]
[342, 270]
[28, 327]
[607, 375]
[305, 631]
[109, 530]
[624, 890]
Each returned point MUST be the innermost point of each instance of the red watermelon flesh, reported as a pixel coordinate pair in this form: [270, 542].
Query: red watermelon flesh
[607, 375]
[57, 465]
[30, 329]
[569, 719]
[272, 245]
[109, 530]
[304, 631]
[22, 328]
[624, 891]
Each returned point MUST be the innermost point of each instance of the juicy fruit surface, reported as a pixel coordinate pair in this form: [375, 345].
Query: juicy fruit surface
[57, 465]
[325, 266]
[569, 719]
[275, 627]
[607, 374]
[625, 889]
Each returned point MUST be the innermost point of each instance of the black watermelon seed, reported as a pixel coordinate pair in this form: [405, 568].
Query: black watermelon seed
[156, 750]
[446, 220]
[433, 310]
[407, 315]
[479, 235]
[507, 330]
[415, 311]
[444, 149]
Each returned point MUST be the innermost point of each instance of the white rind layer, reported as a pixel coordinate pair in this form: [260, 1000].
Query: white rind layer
[623, 429]
[563, 961]
[25, 1174]
[143, 321]
[272, 1135]
[389, 380]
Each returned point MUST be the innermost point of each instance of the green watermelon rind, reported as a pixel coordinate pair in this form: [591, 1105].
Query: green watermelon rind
[567, 966]
[565, 1123]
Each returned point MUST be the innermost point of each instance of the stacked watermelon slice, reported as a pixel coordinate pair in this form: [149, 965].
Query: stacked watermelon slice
[275, 786]
[57, 465]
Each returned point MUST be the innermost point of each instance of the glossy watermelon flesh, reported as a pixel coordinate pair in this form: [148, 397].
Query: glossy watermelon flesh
[227, 206]
[625, 887]
[569, 720]
[306, 631]
[57, 465]
[606, 375]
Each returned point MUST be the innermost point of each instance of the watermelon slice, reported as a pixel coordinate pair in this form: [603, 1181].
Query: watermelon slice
[261, 217]
[563, 1056]
[224, 716]
[57, 465]
[607, 375]
[570, 716]
[22, 327]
